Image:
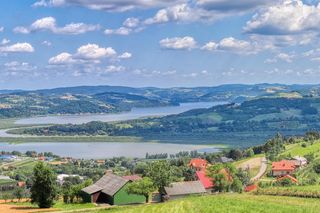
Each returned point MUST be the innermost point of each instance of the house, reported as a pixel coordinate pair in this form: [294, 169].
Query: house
[300, 161]
[250, 188]
[284, 167]
[61, 177]
[206, 181]
[181, 189]
[225, 160]
[198, 164]
[292, 179]
[111, 189]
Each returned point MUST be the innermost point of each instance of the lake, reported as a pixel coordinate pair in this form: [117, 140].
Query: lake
[133, 114]
[96, 150]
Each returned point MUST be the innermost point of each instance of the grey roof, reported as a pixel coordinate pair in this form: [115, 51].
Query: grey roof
[108, 184]
[226, 160]
[185, 188]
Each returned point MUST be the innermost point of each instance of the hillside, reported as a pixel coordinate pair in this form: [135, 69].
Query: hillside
[226, 203]
[252, 122]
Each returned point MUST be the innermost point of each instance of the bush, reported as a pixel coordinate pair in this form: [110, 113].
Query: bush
[316, 168]
[304, 145]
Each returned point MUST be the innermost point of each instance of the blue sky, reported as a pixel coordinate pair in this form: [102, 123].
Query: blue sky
[163, 43]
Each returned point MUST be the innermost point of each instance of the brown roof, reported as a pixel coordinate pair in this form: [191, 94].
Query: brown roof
[185, 188]
[108, 184]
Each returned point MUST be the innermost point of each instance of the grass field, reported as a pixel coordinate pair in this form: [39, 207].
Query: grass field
[311, 191]
[297, 149]
[228, 203]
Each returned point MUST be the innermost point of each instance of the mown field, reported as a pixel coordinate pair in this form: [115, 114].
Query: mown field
[227, 203]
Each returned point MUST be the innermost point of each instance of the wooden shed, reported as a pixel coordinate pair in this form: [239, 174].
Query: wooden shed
[182, 189]
[111, 189]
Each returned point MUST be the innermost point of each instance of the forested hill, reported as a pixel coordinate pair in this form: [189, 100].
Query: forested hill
[105, 99]
[256, 119]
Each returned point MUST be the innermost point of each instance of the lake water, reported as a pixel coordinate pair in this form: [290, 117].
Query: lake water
[95, 150]
[133, 114]
[107, 149]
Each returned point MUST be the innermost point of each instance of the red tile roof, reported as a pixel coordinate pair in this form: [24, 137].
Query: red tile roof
[198, 163]
[206, 181]
[250, 188]
[132, 177]
[284, 165]
[294, 180]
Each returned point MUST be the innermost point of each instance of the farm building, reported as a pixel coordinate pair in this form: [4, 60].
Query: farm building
[181, 189]
[284, 167]
[198, 164]
[111, 189]
[206, 181]
[225, 160]
[289, 177]
[300, 161]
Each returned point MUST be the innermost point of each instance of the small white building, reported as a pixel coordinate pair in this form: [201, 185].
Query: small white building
[61, 177]
[300, 161]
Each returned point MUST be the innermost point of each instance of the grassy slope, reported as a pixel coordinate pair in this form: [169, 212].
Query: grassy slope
[297, 149]
[228, 203]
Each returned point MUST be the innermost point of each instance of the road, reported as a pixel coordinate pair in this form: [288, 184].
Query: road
[262, 171]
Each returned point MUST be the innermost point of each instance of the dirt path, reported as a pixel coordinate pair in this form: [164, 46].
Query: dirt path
[262, 171]
[260, 162]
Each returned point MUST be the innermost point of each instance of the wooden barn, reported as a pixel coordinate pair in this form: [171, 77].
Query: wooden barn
[111, 189]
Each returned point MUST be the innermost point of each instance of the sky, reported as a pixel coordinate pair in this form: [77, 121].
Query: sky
[162, 43]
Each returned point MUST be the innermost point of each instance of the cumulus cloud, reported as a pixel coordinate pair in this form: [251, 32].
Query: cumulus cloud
[178, 43]
[5, 41]
[61, 59]
[125, 55]
[120, 31]
[17, 48]
[287, 17]
[110, 5]
[49, 24]
[131, 22]
[89, 53]
[1, 29]
[113, 68]
[233, 45]
[46, 43]
[227, 5]
[19, 66]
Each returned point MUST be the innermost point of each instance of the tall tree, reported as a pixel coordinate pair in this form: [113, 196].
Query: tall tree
[143, 187]
[160, 173]
[44, 187]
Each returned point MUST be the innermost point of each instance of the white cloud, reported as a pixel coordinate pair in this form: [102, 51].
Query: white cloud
[108, 5]
[233, 45]
[61, 59]
[178, 43]
[93, 51]
[89, 53]
[113, 68]
[46, 43]
[1, 29]
[19, 66]
[181, 13]
[49, 24]
[120, 31]
[285, 18]
[5, 41]
[131, 22]
[125, 55]
[227, 5]
[285, 57]
[17, 47]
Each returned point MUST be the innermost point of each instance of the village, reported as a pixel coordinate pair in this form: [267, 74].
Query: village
[120, 181]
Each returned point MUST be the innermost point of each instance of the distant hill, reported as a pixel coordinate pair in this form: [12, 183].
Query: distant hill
[105, 99]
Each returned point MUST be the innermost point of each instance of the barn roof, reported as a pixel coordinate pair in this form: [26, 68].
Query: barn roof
[108, 184]
[185, 188]
[206, 181]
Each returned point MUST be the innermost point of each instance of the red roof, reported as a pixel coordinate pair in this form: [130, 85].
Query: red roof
[132, 177]
[284, 165]
[198, 163]
[206, 181]
[294, 180]
[250, 188]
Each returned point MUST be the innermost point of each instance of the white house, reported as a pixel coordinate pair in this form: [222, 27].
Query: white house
[300, 161]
